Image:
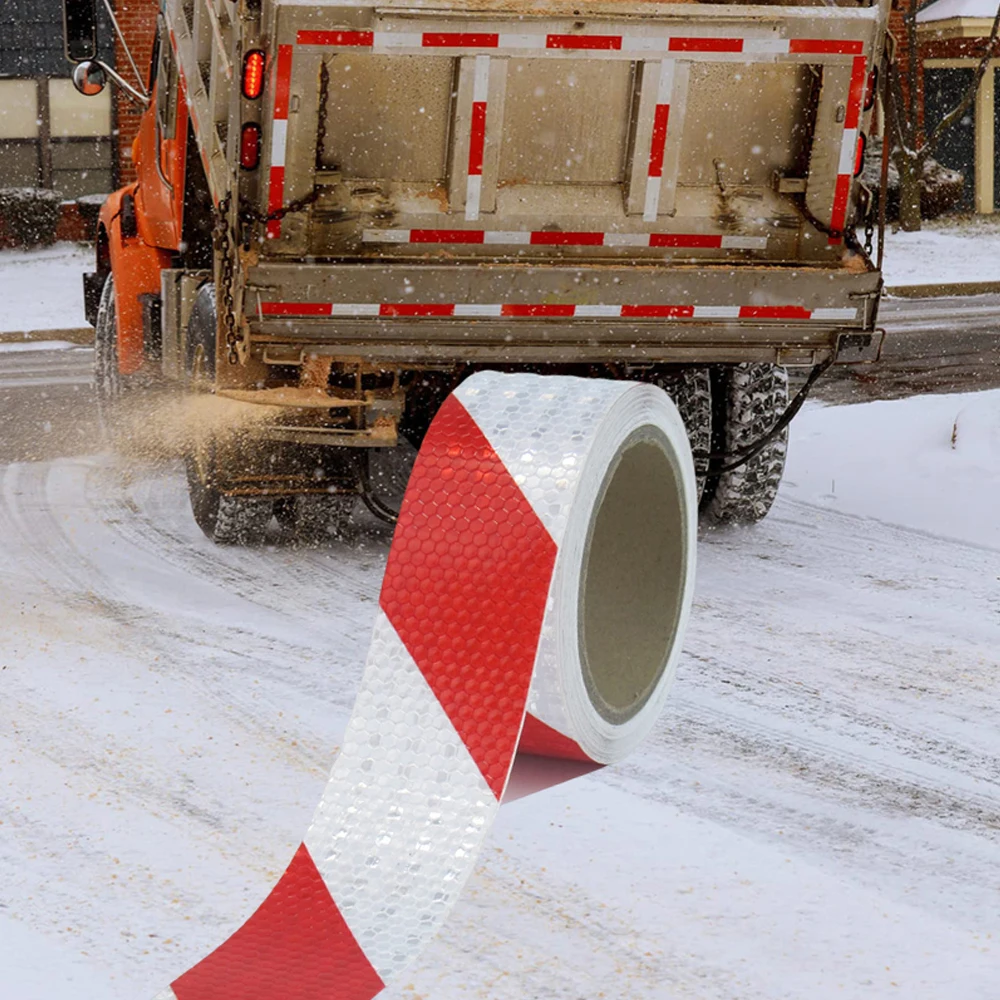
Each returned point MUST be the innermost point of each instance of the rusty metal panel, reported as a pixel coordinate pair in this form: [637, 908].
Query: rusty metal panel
[388, 116]
[744, 123]
[555, 132]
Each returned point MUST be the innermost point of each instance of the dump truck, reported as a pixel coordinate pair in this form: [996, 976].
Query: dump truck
[345, 208]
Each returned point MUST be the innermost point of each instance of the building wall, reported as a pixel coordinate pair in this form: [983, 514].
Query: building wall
[137, 19]
[50, 136]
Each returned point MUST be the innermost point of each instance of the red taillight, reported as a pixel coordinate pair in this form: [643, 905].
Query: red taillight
[250, 146]
[859, 154]
[253, 74]
[871, 88]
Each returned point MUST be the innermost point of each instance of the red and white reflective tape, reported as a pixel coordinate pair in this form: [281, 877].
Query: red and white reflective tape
[279, 138]
[531, 605]
[477, 136]
[546, 238]
[550, 310]
[658, 141]
[848, 149]
[596, 44]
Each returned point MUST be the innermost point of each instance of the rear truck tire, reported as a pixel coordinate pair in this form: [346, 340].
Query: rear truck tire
[315, 518]
[108, 382]
[225, 519]
[691, 392]
[748, 400]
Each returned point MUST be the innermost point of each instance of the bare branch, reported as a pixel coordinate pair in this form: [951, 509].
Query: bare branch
[970, 93]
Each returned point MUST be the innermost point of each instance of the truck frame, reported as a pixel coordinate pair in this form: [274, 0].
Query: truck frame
[342, 209]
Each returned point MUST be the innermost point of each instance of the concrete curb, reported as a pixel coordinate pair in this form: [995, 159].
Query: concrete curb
[944, 290]
[75, 335]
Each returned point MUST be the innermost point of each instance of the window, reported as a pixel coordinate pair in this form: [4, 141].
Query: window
[51, 136]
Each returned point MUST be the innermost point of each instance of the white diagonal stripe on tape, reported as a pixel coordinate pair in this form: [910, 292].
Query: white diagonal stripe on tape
[403, 785]
[526, 432]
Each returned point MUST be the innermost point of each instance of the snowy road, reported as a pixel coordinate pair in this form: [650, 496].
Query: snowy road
[817, 815]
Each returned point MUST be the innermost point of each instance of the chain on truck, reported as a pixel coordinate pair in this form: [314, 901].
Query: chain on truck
[343, 209]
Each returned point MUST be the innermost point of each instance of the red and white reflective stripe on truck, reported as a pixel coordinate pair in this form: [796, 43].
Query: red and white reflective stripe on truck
[279, 138]
[658, 141]
[848, 150]
[477, 136]
[542, 237]
[578, 43]
[551, 310]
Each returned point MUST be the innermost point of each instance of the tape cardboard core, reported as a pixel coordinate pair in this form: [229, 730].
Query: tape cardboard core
[634, 576]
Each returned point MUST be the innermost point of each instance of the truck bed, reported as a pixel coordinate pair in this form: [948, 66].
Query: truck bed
[511, 180]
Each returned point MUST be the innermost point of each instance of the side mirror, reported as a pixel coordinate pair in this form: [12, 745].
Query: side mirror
[89, 78]
[80, 29]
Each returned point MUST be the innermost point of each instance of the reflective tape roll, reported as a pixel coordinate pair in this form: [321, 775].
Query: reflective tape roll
[534, 601]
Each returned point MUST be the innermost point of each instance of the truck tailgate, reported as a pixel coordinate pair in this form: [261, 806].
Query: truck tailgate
[644, 131]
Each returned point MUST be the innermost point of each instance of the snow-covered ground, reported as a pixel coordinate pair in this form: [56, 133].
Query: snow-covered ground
[945, 251]
[816, 816]
[42, 289]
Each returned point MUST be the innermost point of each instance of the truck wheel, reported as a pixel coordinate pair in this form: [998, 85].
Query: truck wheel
[691, 392]
[108, 384]
[226, 520]
[315, 518]
[749, 399]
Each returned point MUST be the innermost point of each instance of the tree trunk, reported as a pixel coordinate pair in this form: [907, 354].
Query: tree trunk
[910, 172]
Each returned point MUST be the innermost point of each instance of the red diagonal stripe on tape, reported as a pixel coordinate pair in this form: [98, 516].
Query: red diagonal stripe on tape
[297, 946]
[466, 584]
[538, 738]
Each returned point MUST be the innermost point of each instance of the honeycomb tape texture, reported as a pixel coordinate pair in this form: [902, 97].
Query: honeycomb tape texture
[473, 656]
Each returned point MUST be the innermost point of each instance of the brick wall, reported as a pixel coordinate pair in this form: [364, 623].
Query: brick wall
[897, 29]
[137, 19]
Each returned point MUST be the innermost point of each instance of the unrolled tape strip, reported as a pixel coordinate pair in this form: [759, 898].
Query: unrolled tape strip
[534, 600]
